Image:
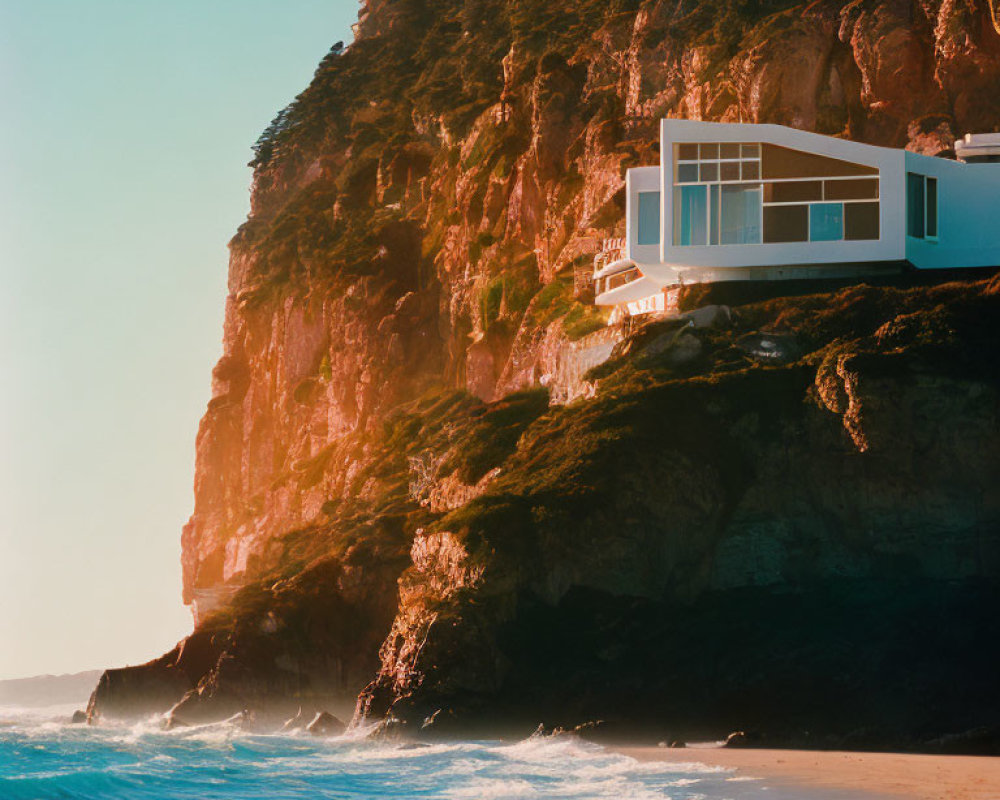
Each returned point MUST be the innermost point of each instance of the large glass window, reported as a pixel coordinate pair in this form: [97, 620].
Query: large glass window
[691, 215]
[740, 214]
[649, 218]
[826, 222]
[721, 199]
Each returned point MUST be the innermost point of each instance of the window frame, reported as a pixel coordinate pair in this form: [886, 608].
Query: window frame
[640, 240]
[926, 183]
[816, 207]
[750, 156]
[931, 180]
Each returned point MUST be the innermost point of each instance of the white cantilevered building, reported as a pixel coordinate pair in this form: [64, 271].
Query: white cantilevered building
[760, 202]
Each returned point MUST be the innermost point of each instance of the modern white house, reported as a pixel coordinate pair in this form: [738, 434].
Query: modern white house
[765, 202]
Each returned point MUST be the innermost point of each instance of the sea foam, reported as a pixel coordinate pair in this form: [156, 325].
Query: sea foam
[42, 756]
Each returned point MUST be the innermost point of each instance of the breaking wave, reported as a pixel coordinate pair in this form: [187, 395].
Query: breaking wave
[41, 756]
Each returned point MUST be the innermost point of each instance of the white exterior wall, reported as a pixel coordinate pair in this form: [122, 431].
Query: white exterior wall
[968, 218]
[892, 209]
[968, 215]
[640, 179]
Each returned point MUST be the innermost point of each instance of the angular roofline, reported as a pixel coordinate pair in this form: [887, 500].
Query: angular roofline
[671, 129]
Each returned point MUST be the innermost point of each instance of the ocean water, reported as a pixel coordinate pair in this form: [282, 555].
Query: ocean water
[42, 758]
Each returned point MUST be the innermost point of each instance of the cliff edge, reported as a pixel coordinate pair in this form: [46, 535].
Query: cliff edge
[425, 492]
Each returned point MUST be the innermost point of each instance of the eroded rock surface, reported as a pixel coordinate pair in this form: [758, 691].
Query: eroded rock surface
[425, 453]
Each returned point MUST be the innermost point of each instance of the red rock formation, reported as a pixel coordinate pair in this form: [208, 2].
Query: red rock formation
[415, 221]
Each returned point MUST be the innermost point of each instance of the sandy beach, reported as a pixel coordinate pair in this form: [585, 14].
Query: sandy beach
[922, 777]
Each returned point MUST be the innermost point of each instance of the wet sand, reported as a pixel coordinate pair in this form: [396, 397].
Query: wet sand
[889, 775]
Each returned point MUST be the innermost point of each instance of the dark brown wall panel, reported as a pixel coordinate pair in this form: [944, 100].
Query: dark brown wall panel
[794, 192]
[861, 221]
[863, 189]
[783, 162]
[786, 224]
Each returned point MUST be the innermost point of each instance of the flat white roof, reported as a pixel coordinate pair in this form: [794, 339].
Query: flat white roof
[978, 144]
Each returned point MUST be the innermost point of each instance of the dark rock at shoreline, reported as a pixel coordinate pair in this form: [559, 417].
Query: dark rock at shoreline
[981, 741]
[594, 730]
[390, 728]
[78, 717]
[154, 687]
[740, 739]
[299, 721]
[133, 692]
[325, 724]
[736, 739]
[245, 720]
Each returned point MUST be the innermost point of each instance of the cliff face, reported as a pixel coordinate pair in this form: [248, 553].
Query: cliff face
[402, 312]
[406, 218]
[704, 541]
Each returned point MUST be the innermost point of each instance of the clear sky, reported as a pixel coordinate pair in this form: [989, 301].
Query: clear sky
[125, 128]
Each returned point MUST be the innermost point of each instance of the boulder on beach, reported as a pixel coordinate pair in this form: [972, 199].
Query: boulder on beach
[325, 724]
[78, 717]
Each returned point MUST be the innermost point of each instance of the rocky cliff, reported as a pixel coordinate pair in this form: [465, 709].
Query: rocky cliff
[391, 491]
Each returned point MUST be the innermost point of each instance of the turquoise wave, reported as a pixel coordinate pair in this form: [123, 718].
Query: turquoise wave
[42, 759]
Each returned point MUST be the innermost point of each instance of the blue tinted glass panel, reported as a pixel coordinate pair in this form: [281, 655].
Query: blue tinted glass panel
[826, 222]
[690, 215]
[649, 218]
[741, 214]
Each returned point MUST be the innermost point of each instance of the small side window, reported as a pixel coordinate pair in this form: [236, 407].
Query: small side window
[648, 218]
[932, 208]
[921, 206]
[915, 205]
